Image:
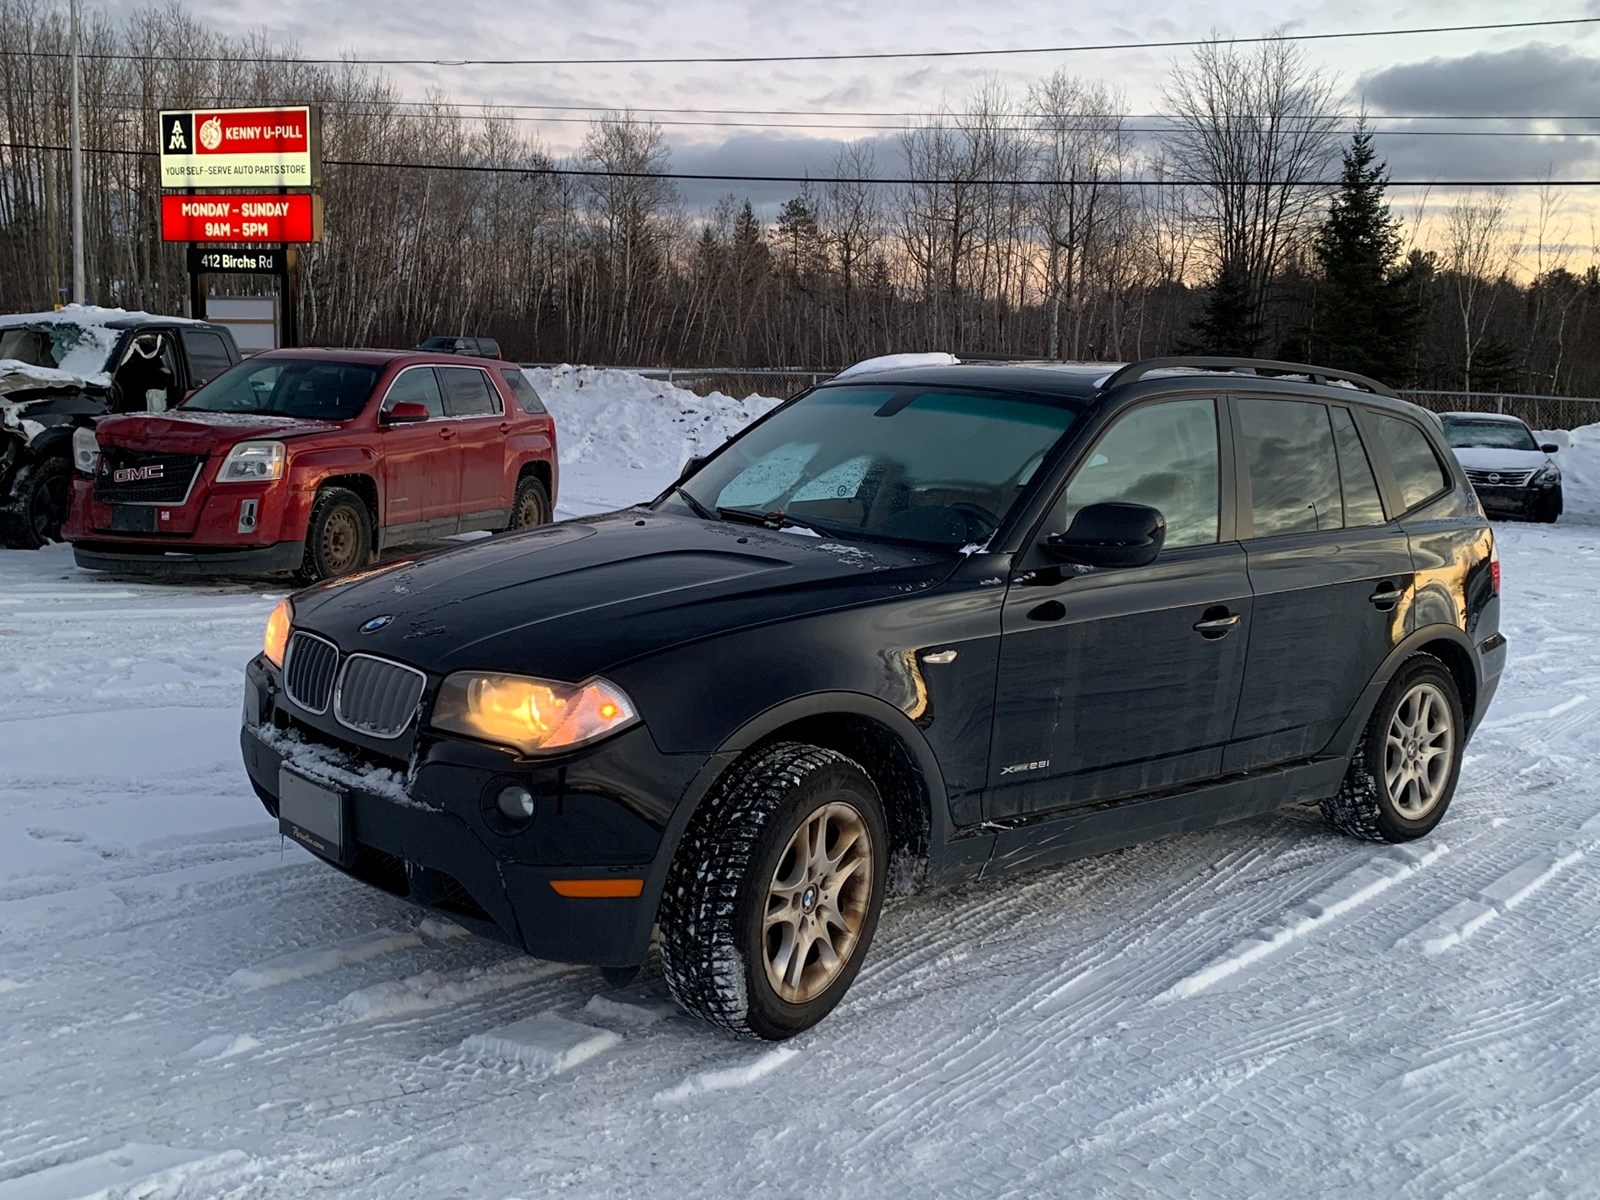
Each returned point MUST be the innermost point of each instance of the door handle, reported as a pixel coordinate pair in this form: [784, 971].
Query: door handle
[505, 426]
[1217, 623]
[1387, 596]
[447, 434]
[1050, 610]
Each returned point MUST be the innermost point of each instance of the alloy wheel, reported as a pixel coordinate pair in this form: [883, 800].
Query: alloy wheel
[1419, 750]
[817, 902]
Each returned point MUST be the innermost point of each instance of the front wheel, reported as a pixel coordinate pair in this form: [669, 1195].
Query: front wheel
[33, 514]
[775, 892]
[1548, 509]
[338, 536]
[1403, 774]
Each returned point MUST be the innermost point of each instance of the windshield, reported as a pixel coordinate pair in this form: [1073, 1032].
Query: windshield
[311, 389]
[910, 464]
[1497, 435]
[50, 346]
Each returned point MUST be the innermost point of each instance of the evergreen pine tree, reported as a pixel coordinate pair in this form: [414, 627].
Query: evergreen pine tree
[1227, 324]
[1365, 317]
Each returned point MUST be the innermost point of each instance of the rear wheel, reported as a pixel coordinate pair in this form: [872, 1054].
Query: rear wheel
[1403, 774]
[37, 507]
[531, 506]
[338, 536]
[775, 892]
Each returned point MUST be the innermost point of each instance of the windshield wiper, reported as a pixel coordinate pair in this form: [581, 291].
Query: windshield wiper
[700, 510]
[778, 519]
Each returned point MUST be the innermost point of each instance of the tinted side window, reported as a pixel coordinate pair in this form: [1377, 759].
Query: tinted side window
[208, 355]
[1163, 455]
[524, 391]
[416, 386]
[1362, 503]
[467, 392]
[1415, 464]
[1294, 471]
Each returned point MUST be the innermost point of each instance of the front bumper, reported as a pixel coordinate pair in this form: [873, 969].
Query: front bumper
[1518, 501]
[601, 814]
[144, 558]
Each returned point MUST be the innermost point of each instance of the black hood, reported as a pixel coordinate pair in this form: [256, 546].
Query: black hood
[577, 599]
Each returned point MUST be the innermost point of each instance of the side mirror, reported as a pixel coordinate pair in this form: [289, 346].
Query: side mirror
[691, 466]
[1550, 448]
[404, 412]
[1110, 535]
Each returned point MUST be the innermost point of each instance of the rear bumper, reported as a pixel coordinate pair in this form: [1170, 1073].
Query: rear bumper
[599, 816]
[145, 558]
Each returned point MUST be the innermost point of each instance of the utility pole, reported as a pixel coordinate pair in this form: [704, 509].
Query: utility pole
[76, 137]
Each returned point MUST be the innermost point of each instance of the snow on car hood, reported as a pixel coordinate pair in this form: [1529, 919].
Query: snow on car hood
[574, 599]
[1493, 458]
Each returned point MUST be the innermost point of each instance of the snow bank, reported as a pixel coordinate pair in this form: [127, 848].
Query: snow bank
[1579, 460]
[619, 419]
[623, 438]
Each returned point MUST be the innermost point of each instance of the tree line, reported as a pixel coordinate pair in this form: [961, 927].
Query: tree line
[1038, 223]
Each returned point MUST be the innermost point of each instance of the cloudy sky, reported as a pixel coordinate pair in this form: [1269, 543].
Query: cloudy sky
[1538, 74]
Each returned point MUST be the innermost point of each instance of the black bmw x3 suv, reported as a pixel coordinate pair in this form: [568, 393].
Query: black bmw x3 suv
[914, 627]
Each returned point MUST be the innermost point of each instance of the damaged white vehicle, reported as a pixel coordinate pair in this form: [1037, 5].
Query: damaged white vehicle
[59, 371]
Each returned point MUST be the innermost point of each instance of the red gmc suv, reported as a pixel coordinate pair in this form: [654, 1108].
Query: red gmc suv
[313, 462]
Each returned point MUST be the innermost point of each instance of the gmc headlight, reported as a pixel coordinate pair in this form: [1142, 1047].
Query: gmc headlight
[253, 462]
[536, 716]
[85, 450]
[1549, 473]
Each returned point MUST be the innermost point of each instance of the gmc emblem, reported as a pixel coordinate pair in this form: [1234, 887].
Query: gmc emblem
[138, 474]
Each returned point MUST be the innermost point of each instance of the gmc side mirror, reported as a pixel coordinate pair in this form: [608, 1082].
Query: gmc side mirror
[1550, 448]
[1110, 535]
[404, 412]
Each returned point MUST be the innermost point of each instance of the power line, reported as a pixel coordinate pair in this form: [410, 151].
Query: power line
[855, 56]
[706, 177]
[1040, 125]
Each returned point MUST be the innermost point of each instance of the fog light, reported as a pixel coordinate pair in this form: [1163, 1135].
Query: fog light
[516, 803]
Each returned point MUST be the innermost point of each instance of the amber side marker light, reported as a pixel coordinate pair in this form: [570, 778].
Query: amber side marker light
[597, 889]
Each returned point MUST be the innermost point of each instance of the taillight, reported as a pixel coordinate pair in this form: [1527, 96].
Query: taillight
[1494, 564]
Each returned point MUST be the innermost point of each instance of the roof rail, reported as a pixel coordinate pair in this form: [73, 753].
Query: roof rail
[1138, 370]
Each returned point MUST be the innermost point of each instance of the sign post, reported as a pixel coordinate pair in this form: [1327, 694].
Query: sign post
[207, 156]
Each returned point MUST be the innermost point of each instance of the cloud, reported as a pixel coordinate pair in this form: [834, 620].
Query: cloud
[763, 153]
[1532, 80]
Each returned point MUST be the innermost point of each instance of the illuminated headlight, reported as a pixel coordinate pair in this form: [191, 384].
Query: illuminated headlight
[253, 462]
[1549, 473]
[85, 450]
[277, 636]
[536, 716]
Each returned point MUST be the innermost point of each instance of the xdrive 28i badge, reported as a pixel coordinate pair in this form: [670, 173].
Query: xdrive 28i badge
[376, 623]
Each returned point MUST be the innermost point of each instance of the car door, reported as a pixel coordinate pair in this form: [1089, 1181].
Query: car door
[1332, 576]
[1116, 682]
[421, 462]
[476, 411]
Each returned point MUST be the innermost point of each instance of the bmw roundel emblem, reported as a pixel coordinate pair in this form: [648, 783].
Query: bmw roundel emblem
[376, 624]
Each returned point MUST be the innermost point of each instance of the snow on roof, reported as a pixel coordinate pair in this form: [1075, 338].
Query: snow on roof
[89, 315]
[1496, 418]
[898, 362]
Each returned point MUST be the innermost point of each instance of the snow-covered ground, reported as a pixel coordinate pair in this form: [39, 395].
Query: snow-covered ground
[189, 1008]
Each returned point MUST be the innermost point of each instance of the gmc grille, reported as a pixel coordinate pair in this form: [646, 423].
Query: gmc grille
[309, 667]
[377, 697]
[1516, 479]
[138, 477]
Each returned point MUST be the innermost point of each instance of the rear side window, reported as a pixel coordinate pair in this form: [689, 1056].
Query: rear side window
[416, 385]
[467, 392]
[524, 391]
[1294, 468]
[208, 355]
[1163, 455]
[1416, 466]
[1363, 505]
